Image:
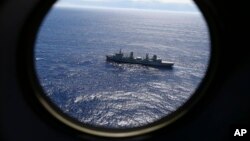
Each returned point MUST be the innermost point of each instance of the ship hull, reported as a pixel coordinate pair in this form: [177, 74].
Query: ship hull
[141, 62]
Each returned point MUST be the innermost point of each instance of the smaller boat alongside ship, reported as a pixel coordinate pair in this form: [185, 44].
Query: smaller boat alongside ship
[153, 62]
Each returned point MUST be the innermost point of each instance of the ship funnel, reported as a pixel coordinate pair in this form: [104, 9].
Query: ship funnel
[154, 57]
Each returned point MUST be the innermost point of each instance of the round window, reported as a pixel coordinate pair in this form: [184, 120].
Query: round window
[126, 66]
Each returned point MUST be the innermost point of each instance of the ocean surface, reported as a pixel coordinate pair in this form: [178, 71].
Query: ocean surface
[71, 65]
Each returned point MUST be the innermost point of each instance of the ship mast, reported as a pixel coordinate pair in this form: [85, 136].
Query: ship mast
[147, 56]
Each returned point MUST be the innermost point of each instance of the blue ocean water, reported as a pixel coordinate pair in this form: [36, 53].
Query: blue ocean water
[70, 63]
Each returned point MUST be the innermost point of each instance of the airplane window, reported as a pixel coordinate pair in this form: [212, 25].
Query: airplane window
[121, 64]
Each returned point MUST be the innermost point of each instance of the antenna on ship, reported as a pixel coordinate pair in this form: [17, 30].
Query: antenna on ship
[120, 51]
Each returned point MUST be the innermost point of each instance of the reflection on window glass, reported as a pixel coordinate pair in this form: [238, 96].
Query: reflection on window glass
[84, 62]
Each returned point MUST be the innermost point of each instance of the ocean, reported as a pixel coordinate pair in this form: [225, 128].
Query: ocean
[70, 60]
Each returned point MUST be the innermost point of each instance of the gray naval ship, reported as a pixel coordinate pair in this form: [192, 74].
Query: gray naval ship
[153, 62]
